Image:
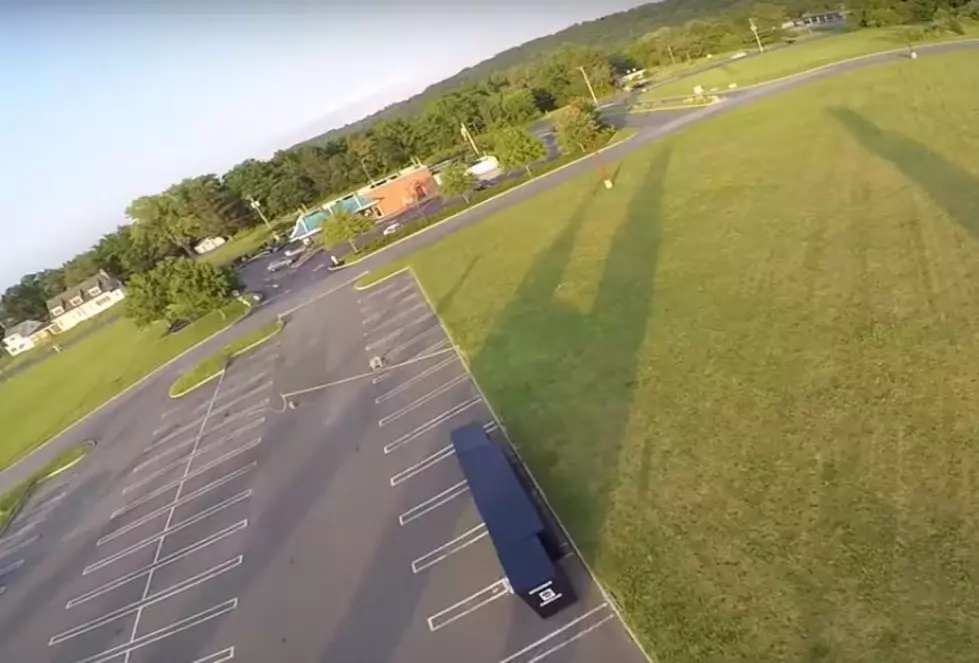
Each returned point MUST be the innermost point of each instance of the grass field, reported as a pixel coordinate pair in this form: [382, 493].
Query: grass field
[246, 242]
[746, 376]
[12, 501]
[793, 59]
[212, 366]
[39, 402]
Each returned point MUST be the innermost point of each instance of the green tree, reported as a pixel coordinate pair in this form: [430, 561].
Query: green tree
[195, 288]
[344, 226]
[518, 148]
[147, 297]
[457, 181]
[580, 127]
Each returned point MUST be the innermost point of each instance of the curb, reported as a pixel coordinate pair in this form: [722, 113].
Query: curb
[484, 202]
[122, 393]
[672, 108]
[40, 480]
[925, 46]
[279, 328]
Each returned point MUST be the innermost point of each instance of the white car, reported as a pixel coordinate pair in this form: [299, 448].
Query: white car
[393, 228]
[294, 251]
[281, 263]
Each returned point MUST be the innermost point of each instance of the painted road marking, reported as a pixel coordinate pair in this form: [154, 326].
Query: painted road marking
[421, 400]
[177, 463]
[461, 542]
[229, 653]
[430, 424]
[434, 502]
[387, 338]
[14, 548]
[423, 465]
[370, 319]
[128, 527]
[233, 389]
[392, 289]
[163, 561]
[165, 632]
[196, 518]
[529, 648]
[217, 408]
[387, 321]
[443, 618]
[432, 348]
[398, 348]
[150, 599]
[10, 568]
[173, 484]
[491, 426]
[188, 442]
[414, 380]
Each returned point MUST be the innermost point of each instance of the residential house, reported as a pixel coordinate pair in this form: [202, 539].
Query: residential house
[23, 336]
[84, 301]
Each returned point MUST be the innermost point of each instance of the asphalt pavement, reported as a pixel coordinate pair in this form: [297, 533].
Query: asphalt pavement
[227, 525]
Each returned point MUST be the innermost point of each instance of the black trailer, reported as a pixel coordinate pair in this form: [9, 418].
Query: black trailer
[527, 551]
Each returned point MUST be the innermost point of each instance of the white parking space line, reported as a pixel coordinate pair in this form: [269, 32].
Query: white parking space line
[421, 400]
[386, 322]
[173, 484]
[195, 424]
[432, 503]
[10, 568]
[184, 499]
[553, 634]
[200, 470]
[6, 552]
[233, 389]
[432, 348]
[189, 441]
[150, 599]
[163, 561]
[387, 306]
[414, 380]
[186, 458]
[445, 550]
[565, 643]
[405, 344]
[165, 632]
[430, 424]
[443, 618]
[422, 465]
[387, 338]
[394, 288]
[229, 653]
[155, 538]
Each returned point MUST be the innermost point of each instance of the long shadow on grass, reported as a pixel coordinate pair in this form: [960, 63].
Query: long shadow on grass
[563, 379]
[953, 189]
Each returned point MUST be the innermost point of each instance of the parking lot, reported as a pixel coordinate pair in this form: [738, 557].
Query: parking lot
[431, 587]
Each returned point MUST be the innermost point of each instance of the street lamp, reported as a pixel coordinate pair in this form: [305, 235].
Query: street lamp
[754, 30]
[588, 83]
[601, 166]
[257, 206]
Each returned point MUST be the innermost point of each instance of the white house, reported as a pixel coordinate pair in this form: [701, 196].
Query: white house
[84, 301]
[209, 244]
[21, 337]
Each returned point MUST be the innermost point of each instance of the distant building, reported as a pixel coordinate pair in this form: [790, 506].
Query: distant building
[23, 336]
[379, 200]
[818, 20]
[84, 301]
[208, 244]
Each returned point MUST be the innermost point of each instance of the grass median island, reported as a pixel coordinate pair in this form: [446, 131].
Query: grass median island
[745, 376]
[794, 59]
[41, 401]
[212, 367]
[13, 500]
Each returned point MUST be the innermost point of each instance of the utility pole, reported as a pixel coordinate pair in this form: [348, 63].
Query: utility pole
[670, 49]
[469, 139]
[754, 30]
[588, 83]
[257, 206]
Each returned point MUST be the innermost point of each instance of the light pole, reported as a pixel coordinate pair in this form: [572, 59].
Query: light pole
[754, 30]
[469, 138]
[257, 206]
[588, 83]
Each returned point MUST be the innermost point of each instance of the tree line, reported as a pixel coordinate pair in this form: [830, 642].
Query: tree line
[496, 108]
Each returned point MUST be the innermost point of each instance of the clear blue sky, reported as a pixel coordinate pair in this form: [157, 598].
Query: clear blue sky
[118, 100]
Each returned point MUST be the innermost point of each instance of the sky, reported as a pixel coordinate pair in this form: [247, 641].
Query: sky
[106, 101]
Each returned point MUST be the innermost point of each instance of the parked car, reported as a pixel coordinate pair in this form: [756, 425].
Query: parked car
[281, 263]
[391, 229]
[295, 251]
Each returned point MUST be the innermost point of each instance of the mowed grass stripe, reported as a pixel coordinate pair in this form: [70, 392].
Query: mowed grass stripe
[745, 376]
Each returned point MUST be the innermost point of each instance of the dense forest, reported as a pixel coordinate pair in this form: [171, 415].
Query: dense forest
[510, 90]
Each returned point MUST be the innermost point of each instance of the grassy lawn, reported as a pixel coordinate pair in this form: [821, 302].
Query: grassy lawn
[12, 501]
[39, 402]
[212, 366]
[246, 242]
[792, 59]
[746, 376]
